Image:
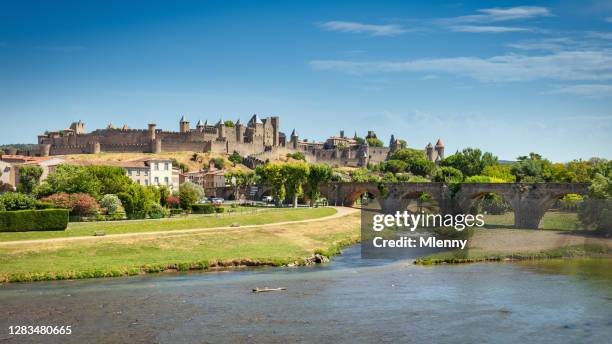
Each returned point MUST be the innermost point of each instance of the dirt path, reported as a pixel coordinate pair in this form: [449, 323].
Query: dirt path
[527, 240]
[340, 212]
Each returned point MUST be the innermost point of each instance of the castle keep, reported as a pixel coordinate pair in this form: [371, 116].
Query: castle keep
[258, 141]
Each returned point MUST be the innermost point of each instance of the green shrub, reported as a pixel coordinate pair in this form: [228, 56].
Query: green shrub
[157, 211]
[219, 210]
[202, 209]
[17, 201]
[33, 220]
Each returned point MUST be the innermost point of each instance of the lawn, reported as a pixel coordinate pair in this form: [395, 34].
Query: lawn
[553, 220]
[119, 256]
[255, 217]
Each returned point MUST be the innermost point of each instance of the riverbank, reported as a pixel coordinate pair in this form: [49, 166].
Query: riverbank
[209, 249]
[524, 244]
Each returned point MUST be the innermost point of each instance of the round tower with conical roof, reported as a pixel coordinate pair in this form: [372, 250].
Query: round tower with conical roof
[184, 125]
[440, 149]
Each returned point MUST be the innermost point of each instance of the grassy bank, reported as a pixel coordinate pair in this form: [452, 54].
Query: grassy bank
[552, 220]
[121, 256]
[575, 251]
[260, 217]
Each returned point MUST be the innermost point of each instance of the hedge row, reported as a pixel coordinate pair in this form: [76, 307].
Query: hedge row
[33, 220]
[206, 208]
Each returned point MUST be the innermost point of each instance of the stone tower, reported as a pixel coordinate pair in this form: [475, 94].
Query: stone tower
[429, 150]
[440, 149]
[221, 128]
[152, 128]
[184, 125]
[239, 131]
[78, 127]
[276, 129]
[200, 126]
[294, 139]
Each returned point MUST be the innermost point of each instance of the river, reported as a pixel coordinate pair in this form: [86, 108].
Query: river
[350, 300]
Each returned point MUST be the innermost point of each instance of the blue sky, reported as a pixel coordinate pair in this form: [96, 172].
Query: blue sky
[509, 77]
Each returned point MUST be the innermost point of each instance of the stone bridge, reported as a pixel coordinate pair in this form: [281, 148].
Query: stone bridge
[528, 201]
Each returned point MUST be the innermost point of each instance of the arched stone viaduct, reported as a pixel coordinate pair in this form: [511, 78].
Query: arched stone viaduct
[529, 201]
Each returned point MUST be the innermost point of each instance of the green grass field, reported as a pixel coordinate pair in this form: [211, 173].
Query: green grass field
[259, 217]
[121, 256]
[552, 220]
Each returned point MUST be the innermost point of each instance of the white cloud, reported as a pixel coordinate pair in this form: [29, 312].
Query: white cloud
[370, 29]
[563, 65]
[600, 35]
[547, 44]
[503, 14]
[589, 90]
[487, 29]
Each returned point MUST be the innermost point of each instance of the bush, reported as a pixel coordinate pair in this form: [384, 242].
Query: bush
[202, 209]
[219, 210]
[79, 204]
[189, 194]
[33, 220]
[17, 201]
[157, 211]
[112, 204]
[173, 202]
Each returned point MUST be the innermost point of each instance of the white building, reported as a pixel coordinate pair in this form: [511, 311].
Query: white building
[152, 172]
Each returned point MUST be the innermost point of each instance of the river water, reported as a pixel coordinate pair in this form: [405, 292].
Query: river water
[351, 300]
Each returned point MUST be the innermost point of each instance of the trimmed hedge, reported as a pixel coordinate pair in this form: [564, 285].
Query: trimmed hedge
[33, 220]
[202, 208]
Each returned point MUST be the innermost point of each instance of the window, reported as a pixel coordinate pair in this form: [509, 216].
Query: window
[166, 181]
[146, 182]
[157, 180]
[138, 172]
[156, 165]
[166, 166]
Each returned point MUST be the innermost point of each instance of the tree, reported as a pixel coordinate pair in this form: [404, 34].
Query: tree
[447, 174]
[235, 158]
[503, 172]
[296, 174]
[218, 162]
[111, 179]
[181, 166]
[240, 179]
[137, 199]
[318, 174]
[29, 177]
[16, 201]
[164, 193]
[395, 166]
[71, 179]
[297, 156]
[532, 169]
[272, 175]
[362, 175]
[416, 161]
[470, 161]
[596, 211]
[229, 123]
[374, 142]
[112, 204]
[189, 194]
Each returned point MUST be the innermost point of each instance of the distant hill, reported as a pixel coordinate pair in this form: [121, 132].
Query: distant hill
[506, 162]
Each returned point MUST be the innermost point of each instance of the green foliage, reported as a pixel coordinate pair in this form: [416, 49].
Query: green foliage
[16, 201]
[296, 174]
[532, 169]
[415, 160]
[418, 179]
[112, 204]
[205, 208]
[491, 203]
[235, 158]
[359, 140]
[33, 220]
[596, 211]
[297, 156]
[395, 166]
[272, 174]
[374, 142]
[181, 166]
[111, 179]
[362, 175]
[156, 211]
[70, 179]
[470, 161]
[137, 199]
[570, 201]
[447, 174]
[29, 177]
[483, 179]
[218, 162]
[164, 193]
[318, 174]
[189, 194]
[503, 172]
[229, 123]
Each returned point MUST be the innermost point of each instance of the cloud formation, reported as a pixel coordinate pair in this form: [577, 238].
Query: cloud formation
[489, 15]
[589, 90]
[562, 65]
[487, 29]
[370, 29]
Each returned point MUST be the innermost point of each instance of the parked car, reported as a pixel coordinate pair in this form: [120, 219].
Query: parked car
[267, 199]
[217, 201]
